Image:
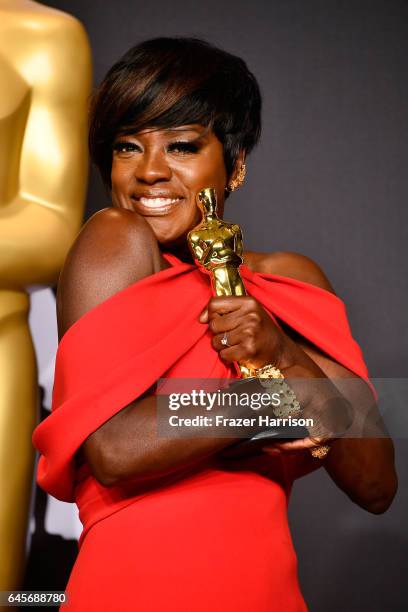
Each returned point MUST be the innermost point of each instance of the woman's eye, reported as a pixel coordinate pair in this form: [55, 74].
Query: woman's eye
[125, 147]
[183, 147]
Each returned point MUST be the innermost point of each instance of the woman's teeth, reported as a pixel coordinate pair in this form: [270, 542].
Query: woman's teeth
[158, 202]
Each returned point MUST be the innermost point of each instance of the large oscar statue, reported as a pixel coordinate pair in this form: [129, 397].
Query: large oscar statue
[45, 79]
[217, 249]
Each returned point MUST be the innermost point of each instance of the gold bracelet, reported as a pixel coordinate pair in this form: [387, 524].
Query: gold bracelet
[288, 401]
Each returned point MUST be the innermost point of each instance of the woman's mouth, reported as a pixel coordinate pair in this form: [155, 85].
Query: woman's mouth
[156, 205]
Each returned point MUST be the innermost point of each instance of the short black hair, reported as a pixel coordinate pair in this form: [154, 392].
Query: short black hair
[169, 82]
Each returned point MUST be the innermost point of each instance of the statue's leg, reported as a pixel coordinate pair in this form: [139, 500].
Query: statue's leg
[18, 417]
[221, 281]
[228, 281]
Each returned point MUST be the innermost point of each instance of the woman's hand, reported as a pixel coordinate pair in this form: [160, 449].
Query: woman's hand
[293, 446]
[254, 340]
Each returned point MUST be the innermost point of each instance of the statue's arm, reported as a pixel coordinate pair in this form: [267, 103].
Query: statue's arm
[39, 224]
[239, 248]
[207, 253]
[197, 249]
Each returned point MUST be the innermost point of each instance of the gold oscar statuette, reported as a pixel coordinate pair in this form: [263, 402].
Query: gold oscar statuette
[217, 250]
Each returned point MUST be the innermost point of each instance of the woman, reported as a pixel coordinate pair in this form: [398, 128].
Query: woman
[175, 523]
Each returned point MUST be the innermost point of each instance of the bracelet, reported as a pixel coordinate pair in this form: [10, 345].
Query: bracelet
[289, 403]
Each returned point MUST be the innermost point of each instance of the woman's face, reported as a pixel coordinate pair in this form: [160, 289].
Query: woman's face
[158, 172]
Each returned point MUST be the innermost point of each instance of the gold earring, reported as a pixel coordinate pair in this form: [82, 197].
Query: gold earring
[238, 180]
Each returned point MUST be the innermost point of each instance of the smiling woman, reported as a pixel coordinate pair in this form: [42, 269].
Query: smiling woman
[170, 522]
[169, 119]
[158, 172]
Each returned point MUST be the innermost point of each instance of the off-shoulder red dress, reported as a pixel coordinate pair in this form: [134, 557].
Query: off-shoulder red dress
[215, 539]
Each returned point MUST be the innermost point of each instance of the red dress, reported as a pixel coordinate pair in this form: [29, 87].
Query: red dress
[215, 539]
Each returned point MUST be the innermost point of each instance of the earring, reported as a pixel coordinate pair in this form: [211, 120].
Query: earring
[238, 180]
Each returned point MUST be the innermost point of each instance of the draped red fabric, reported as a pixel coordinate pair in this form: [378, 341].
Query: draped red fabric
[110, 357]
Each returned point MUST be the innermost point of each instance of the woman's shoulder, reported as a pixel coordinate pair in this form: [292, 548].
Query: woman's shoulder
[101, 261]
[290, 264]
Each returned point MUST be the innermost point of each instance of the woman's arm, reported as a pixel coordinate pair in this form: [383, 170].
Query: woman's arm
[363, 467]
[362, 462]
[127, 448]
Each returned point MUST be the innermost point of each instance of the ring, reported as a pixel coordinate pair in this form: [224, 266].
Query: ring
[224, 340]
[321, 450]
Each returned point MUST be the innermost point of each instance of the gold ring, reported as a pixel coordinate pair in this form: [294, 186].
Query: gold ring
[321, 450]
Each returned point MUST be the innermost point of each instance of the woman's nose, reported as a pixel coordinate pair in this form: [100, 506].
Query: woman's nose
[152, 166]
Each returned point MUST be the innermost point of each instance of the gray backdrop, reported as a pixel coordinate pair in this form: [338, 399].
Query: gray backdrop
[328, 180]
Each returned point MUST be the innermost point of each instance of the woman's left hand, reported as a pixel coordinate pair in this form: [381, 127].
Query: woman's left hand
[254, 340]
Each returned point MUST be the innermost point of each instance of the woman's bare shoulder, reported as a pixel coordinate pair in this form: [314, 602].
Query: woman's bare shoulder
[290, 264]
[299, 267]
[103, 259]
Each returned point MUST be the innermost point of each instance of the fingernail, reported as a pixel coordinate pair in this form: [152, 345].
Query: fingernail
[204, 316]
